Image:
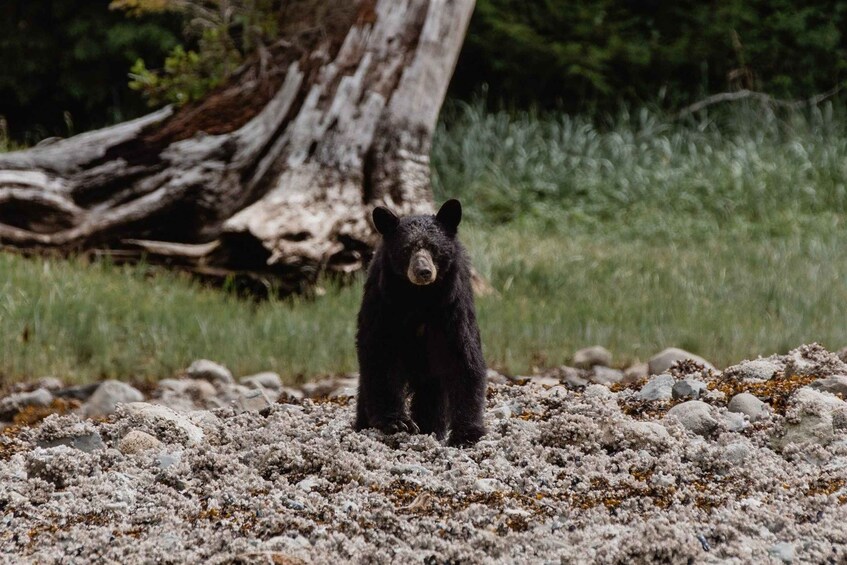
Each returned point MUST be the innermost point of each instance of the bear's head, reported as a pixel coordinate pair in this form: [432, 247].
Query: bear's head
[420, 248]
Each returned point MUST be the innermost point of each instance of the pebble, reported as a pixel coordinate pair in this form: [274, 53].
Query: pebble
[783, 551]
[834, 384]
[253, 400]
[605, 376]
[747, 404]
[108, 395]
[636, 372]
[688, 388]
[267, 379]
[164, 419]
[14, 403]
[136, 441]
[85, 442]
[695, 416]
[210, 371]
[659, 387]
[761, 369]
[663, 361]
[592, 356]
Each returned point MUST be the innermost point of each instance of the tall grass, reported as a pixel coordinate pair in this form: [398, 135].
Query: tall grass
[724, 236]
[644, 175]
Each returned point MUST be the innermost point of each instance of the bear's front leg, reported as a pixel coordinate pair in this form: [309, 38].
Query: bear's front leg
[467, 384]
[381, 402]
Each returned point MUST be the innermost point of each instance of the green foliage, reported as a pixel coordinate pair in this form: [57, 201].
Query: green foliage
[65, 64]
[599, 53]
[226, 31]
[723, 236]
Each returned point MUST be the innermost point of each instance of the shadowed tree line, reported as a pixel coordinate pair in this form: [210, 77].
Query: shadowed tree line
[71, 60]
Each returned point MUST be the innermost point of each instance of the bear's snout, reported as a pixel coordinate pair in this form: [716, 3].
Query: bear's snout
[421, 269]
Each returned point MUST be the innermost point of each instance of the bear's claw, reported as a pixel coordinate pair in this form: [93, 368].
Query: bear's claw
[400, 425]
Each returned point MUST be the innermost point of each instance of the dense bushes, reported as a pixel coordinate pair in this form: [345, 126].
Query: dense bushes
[66, 64]
[597, 53]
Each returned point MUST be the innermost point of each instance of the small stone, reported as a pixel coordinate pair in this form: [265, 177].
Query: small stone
[79, 392]
[487, 485]
[813, 417]
[688, 388]
[136, 441]
[14, 403]
[592, 356]
[166, 421]
[50, 383]
[737, 453]
[752, 407]
[605, 376]
[166, 460]
[496, 378]
[571, 376]
[320, 388]
[86, 442]
[307, 484]
[287, 394]
[253, 400]
[695, 416]
[659, 387]
[636, 372]
[544, 381]
[108, 395]
[663, 361]
[343, 392]
[842, 354]
[734, 421]
[833, 384]
[782, 551]
[598, 391]
[757, 370]
[502, 412]
[210, 371]
[265, 380]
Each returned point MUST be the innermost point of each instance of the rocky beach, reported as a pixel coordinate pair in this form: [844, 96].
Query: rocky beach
[671, 461]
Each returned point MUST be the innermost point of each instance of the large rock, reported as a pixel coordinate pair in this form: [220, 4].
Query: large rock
[592, 356]
[636, 372]
[108, 395]
[605, 376]
[813, 417]
[14, 403]
[86, 442]
[267, 380]
[163, 422]
[663, 361]
[757, 370]
[695, 416]
[659, 387]
[136, 441]
[253, 400]
[752, 407]
[833, 384]
[209, 371]
[689, 388]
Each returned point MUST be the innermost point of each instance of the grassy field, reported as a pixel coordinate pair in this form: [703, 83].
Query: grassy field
[723, 236]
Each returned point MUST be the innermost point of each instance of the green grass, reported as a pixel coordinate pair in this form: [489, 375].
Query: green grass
[724, 236]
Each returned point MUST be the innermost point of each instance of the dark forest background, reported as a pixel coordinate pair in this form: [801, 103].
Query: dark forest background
[66, 63]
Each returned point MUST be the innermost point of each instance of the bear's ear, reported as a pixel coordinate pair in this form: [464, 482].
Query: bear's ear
[385, 220]
[450, 215]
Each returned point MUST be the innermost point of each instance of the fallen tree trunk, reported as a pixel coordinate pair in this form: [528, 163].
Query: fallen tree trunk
[270, 177]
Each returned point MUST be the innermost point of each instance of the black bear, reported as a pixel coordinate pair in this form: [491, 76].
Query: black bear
[418, 334]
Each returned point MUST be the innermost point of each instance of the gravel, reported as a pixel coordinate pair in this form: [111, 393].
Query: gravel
[594, 474]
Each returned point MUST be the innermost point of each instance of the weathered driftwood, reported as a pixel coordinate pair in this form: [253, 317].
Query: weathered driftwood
[283, 189]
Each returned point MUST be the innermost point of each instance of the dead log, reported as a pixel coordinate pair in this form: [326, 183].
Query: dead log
[271, 176]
